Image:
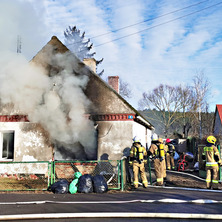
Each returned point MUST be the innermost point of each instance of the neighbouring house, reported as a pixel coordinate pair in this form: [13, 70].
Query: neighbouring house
[217, 126]
[73, 113]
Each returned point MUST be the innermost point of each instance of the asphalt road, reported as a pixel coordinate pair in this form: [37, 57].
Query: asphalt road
[151, 204]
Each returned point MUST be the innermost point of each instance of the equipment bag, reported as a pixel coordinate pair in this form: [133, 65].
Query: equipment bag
[99, 184]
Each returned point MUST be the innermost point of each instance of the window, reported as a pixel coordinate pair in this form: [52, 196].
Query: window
[7, 145]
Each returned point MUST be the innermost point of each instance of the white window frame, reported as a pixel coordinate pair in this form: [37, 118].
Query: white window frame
[1, 144]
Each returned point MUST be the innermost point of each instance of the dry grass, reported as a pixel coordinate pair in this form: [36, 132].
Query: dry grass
[25, 184]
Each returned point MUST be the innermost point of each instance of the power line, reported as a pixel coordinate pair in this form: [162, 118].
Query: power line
[159, 24]
[147, 20]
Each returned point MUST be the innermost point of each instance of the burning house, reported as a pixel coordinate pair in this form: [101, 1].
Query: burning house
[58, 108]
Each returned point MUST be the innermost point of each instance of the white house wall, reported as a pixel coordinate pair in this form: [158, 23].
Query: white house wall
[114, 138]
[24, 168]
[29, 142]
[143, 133]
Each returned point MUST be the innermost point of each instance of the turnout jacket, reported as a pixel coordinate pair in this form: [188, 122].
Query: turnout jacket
[211, 155]
[138, 153]
[170, 149]
[157, 150]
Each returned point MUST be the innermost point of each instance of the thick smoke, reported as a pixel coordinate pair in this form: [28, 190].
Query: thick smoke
[56, 101]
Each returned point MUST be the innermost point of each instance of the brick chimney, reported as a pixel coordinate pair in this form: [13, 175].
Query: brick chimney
[113, 81]
[91, 63]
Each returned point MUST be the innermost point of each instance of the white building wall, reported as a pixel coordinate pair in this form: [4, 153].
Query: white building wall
[143, 133]
[29, 142]
[114, 138]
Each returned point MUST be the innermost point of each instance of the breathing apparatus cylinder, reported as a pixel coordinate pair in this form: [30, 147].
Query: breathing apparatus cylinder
[161, 150]
[140, 150]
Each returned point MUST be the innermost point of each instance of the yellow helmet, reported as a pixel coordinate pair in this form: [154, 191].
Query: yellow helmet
[211, 139]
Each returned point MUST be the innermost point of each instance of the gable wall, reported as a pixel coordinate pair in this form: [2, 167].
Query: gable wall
[113, 136]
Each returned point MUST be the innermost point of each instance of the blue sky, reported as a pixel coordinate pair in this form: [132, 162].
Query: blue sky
[172, 49]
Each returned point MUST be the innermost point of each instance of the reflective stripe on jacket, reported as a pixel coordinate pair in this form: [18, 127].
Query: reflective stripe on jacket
[209, 154]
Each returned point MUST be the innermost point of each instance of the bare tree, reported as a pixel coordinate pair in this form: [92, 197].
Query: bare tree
[178, 106]
[201, 89]
[186, 100]
[166, 99]
[124, 89]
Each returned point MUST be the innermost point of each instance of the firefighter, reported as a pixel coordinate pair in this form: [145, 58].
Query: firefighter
[156, 151]
[170, 152]
[138, 158]
[212, 159]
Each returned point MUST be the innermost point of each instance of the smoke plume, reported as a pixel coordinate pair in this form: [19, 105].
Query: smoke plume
[55, 100]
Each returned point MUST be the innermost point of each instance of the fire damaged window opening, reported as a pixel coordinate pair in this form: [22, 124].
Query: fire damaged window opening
[7, 145]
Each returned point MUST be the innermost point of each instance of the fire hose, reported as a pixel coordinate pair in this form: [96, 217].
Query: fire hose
[113, 214]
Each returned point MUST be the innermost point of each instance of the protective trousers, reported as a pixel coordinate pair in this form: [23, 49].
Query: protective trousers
[139, 167]
[159, 167]
[212, 172]
[170, 162]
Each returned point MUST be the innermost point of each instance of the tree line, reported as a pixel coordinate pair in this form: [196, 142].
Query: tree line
[179, 111]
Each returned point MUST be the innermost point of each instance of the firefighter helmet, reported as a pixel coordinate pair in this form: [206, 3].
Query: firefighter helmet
[168, 140]
[136, 139]
[211, 139]
[154, 137]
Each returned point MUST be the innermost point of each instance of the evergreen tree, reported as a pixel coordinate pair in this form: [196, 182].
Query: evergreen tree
[76, 43]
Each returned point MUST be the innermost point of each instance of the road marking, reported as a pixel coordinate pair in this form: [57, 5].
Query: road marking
[111, 215]
[186, 188]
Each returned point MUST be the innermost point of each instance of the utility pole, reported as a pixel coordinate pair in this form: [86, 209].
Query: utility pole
[19, 44]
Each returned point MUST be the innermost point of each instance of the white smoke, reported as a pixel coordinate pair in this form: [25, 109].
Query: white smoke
[57, 102]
